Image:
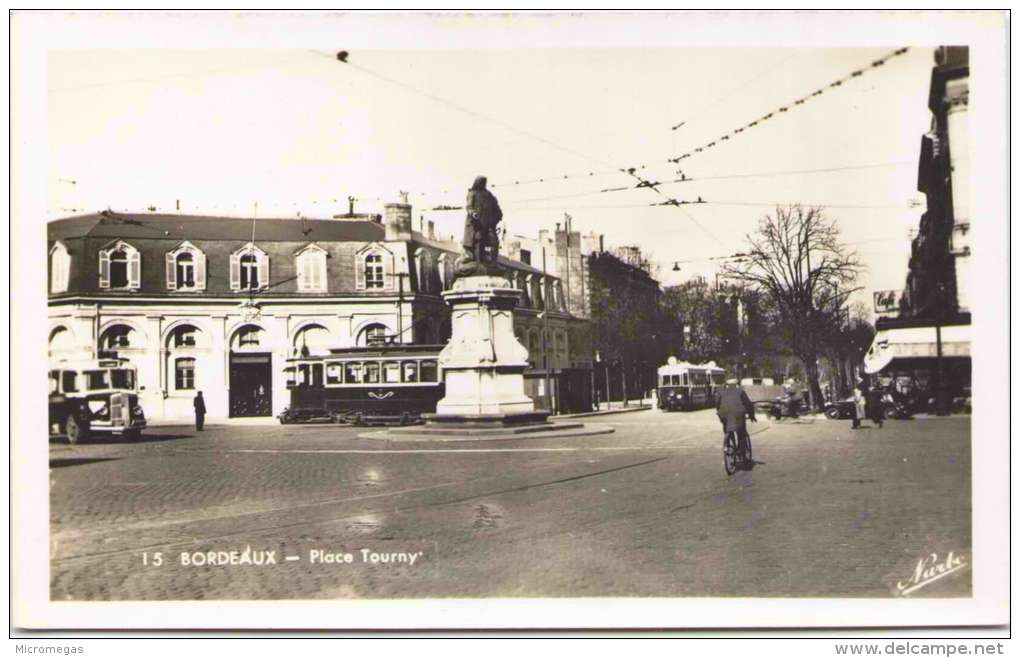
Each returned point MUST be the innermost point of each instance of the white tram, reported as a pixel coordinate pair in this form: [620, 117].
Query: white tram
[687, 386]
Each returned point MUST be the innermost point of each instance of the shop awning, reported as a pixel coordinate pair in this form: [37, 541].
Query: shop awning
[914, 343]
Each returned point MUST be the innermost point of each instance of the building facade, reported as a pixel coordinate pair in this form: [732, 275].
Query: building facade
[929, 339]
[219, 304]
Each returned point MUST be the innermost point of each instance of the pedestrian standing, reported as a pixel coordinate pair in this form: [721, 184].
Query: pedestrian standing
[858, 404]
[873, 405]
[199, 411]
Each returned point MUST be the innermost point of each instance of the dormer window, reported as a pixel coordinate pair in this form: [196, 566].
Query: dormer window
[185, 268]
[311, 269]
[60, 268]
[120, 267]
[249, 268]
[374, 268]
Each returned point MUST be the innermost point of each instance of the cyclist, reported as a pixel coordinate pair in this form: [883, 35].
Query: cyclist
[733, 408]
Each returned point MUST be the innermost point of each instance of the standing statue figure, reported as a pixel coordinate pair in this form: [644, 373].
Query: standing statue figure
[480, 238]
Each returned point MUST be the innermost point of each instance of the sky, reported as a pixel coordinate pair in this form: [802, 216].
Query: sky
[296, 131]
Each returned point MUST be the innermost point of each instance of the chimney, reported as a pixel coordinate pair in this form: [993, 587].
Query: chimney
[350, 205]
[602, 244]
[432, 230]
[398, 221]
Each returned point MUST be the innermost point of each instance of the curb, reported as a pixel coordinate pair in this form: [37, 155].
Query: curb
[574, 432]
[588, 414]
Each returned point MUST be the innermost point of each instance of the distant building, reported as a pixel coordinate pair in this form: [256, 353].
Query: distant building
[218, 304]
[939, 289]
[580, 264]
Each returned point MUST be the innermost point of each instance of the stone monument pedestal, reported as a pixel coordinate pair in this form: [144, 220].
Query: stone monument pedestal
[483, 364]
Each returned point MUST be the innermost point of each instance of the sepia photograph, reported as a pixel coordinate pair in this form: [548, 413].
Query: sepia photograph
[675, 314]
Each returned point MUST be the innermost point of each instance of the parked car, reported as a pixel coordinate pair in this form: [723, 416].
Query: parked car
[308, 415]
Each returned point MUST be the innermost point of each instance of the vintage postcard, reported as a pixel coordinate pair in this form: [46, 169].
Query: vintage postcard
[509, 320]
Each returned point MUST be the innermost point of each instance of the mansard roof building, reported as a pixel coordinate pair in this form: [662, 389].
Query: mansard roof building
[219, 304]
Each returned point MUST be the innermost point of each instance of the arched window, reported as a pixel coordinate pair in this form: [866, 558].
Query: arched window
[61, 342]
[372, 335]
[185, 268]
[249, 268]
[117, 337]
[60, 268]
[311, 269]
[184, 346]
[120, 267]
[248, 338]
[311, 340]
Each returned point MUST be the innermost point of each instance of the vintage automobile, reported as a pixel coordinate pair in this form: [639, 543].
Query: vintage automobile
[844, 409]
[94, 397]
[294, 415]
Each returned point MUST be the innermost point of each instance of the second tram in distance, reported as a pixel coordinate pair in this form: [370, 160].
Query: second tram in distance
[686, 386]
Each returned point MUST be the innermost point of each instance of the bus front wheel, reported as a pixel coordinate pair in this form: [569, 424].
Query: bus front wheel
[74, 430]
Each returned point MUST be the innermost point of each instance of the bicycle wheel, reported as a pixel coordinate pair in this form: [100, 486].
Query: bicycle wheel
[730, 453]
[748, 461]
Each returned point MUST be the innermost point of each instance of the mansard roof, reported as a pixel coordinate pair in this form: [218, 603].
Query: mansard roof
[204, 227]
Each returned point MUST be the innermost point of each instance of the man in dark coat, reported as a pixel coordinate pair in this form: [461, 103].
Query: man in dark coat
[483, 215]
[199, 411]
[733, 408]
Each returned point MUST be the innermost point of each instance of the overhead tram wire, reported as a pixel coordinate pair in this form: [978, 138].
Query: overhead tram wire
[344, 57]
[789, 106]
[590, 174]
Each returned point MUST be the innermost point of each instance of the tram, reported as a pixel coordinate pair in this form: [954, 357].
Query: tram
[686, 386]
[365, 385]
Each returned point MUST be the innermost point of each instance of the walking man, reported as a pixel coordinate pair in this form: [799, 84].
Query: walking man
[199, 411]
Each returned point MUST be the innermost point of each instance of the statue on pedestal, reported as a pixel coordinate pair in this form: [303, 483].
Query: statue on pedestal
[481, 241]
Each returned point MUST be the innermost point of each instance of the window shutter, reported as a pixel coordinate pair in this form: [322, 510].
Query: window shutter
[104, 269]
[199, 270]
[134, 269]
[302, 272]
[319, 272]
[263, 261]
[388, 278]
[359, 271]
[171, 271]
[235, 272]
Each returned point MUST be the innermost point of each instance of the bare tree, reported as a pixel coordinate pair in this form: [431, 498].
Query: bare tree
[797, 260]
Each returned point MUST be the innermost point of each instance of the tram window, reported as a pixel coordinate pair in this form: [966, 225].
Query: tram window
[97, 380]
[123, 378]
[317, 375]
[410, 371]
[429, 371]
[391, 372]
[54, 381]
[372, 373]
[354, 373]
[665, 380]
[686, 379]
[334, 374]
[676, 380]
[304, 376]
[68, 380]
[288, 374]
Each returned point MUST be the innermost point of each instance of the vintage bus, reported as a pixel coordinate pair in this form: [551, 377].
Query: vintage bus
[94, 396]
[363, 385]
[686, 386]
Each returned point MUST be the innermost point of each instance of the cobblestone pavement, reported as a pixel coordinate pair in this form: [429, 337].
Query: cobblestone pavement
[646, 511]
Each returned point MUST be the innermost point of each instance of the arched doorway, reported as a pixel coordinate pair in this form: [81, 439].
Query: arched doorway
[251, 372]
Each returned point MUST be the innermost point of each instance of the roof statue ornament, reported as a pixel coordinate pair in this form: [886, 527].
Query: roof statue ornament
[481, 237]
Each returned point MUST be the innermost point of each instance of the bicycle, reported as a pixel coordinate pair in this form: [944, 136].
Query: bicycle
[732, 459]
